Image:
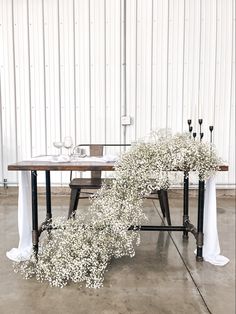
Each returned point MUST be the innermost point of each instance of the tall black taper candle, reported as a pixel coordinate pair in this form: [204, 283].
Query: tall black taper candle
[211, 129]
[190, 128]
[200, 123]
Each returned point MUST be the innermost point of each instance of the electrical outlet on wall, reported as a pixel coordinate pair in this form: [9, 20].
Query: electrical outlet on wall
[126, 120]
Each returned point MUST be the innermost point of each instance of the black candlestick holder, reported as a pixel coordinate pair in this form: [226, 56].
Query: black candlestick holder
[194, 135]
[190, 128]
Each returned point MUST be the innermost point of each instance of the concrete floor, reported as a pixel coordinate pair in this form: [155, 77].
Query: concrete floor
[163, 277]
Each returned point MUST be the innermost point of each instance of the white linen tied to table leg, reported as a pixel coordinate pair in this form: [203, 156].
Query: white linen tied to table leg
[24, 249]
[211, 247]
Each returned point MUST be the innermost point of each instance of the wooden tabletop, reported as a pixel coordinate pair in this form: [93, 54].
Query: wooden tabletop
[62, 166]
[81, 165]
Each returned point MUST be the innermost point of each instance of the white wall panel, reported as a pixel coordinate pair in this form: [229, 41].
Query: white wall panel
[67, 73]
[113, 73]
[82, 70]
[22, 79]
[160, 63]
[1, 138]
[37, 83]
[223, 82]
[175, 65]
[62, 73]
[7, 87]
[66, 29]
[208, 61]
[98, 70]
[52, 77]
[231, 148]
[131, 68]
[37, 79]
[192, 50]
[144, 65]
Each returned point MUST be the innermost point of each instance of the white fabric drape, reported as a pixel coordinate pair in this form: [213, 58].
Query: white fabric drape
[23, 251]
[211, 247]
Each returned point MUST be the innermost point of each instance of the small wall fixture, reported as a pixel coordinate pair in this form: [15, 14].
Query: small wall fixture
[126, 120]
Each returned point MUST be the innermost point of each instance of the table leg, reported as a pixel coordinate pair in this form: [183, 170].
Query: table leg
[164, 196]
[186, 203]
[48, 195]
[201, 188]
[35, 232]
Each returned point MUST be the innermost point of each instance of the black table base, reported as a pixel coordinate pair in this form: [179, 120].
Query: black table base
[185, 228]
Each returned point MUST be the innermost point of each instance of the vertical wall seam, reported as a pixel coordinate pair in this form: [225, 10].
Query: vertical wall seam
[59, 65]
[1, 130]
[199, 61]
[124, 71]
[136, 79]
[151, 96]
[231, 78]
[89, 21]
[121, 139]
[44, 77]
[74, 73]
[29, 77]
[105, 73]
[124, 59]
[183, 76]
[14, 75]
[167, 64]
[59, 71]
[216, 55]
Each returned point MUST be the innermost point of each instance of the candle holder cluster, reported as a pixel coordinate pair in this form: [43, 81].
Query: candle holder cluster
[201, 134]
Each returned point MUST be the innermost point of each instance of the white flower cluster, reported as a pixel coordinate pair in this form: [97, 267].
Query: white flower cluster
[80, 249]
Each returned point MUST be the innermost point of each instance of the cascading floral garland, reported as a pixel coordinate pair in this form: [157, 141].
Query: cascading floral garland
[80, 249]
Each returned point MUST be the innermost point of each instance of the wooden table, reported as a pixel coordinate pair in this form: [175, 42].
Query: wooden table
[47, 166]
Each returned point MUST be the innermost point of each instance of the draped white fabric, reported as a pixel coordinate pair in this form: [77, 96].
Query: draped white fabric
[211, 248]
[23, 251]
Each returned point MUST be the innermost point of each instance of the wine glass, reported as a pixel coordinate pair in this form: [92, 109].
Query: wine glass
[58, 145]
[68, 143]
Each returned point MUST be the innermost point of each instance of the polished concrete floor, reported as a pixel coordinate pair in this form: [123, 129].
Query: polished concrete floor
[163, 277]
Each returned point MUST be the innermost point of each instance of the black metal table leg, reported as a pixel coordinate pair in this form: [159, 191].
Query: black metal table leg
[35, 233]
[161, 203]
[164, 204]
[201, 188]
[48, 195]
[186, 203]
[164, 195]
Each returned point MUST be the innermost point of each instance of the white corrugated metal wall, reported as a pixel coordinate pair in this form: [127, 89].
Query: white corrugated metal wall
[62, 73]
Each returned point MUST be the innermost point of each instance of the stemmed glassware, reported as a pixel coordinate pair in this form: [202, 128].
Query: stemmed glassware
[68, 143]
[58, 145]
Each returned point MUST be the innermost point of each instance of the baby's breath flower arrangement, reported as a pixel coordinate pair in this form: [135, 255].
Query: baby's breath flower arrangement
[79, 250]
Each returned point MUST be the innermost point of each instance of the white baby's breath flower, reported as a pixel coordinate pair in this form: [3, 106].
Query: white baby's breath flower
[80, 249]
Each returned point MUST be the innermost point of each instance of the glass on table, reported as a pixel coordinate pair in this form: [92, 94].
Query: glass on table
[59, 145]
[68, 143]
[78, 152]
